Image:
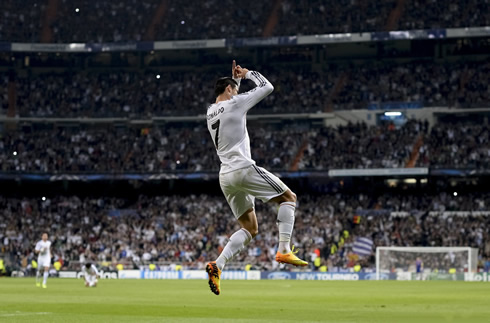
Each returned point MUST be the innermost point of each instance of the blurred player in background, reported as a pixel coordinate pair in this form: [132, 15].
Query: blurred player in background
[90, 274]
[240, 179]
[418, 268]
[43, 247]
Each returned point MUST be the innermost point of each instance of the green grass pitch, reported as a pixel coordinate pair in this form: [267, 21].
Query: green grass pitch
[67, 300]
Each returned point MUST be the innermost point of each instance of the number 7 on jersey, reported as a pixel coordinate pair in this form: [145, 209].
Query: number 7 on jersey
[215, 126]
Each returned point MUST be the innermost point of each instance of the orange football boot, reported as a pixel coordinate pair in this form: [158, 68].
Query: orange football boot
[290, 258]
[214, 274]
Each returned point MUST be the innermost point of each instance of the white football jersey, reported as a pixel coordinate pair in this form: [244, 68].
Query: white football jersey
[43, 247]
[227, 124]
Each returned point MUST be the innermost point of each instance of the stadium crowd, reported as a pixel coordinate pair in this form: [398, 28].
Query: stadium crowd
[185, 20]
[3, 93]
[322, 17]
[360, 146]
[432, 84]
[192, 229]
[190, 148]
[134, 150]
[297, 90]
[20, 21]
[103, 21]
[420, 14]
[130, 20]
[461, 145]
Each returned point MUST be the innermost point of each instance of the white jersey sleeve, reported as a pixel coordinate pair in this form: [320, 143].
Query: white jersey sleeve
[227, 124]
[247, 100]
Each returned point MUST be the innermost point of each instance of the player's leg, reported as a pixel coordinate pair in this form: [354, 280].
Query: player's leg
[285, 223]
[45, 275]
[242, 206]
[269, 188]
[240, 239]
[285, 219]
[38, 273]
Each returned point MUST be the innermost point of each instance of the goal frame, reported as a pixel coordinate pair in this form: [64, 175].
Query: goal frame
[424, 250]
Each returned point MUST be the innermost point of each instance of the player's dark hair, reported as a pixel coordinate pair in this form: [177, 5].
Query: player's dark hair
[88, 265]
[222, 83]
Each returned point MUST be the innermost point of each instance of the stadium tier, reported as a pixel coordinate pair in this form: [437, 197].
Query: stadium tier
[299, 89]
[191, 229]
[133, 20]
[21, 20]
[154, 149]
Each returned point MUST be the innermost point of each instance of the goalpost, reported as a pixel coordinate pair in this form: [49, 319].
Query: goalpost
[429, 260]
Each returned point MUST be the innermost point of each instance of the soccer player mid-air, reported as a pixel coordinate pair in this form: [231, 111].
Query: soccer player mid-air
[90, 274]
[43, 247]
[240, 179]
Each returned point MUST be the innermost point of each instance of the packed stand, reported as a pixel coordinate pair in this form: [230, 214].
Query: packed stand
[129, 20]
[139, 96]
[463, 84]
[103, 21]
[4, 99]
[454, 145]
[213, 19]
[164, 149]
[323, 17]
[297, 90]
[464, 145]
[347, 16]
[20, 21]
[421, 14]
[189, 148]
[191, 230]
[361, 146]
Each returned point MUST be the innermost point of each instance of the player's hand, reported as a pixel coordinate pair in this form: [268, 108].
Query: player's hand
[241, 72]
[234, 73]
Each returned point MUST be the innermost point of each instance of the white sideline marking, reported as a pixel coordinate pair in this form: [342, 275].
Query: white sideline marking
[18, 313]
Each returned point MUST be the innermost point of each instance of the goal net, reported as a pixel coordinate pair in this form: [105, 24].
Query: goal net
[425, 263]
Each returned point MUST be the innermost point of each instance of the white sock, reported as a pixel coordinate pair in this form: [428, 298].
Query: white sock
[238, 241]
[45, 277]
[285, 222]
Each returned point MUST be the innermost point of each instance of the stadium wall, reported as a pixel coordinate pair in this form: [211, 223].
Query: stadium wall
[281, 275]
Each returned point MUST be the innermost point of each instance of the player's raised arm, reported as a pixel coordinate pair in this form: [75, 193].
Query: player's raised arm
[263, 88]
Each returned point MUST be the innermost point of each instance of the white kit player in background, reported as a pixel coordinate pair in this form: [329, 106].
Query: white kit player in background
[43, 249]
[240, 179]
[90, 274]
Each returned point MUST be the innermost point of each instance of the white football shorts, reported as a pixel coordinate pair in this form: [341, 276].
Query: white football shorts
[43, 261]
[242, 186]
